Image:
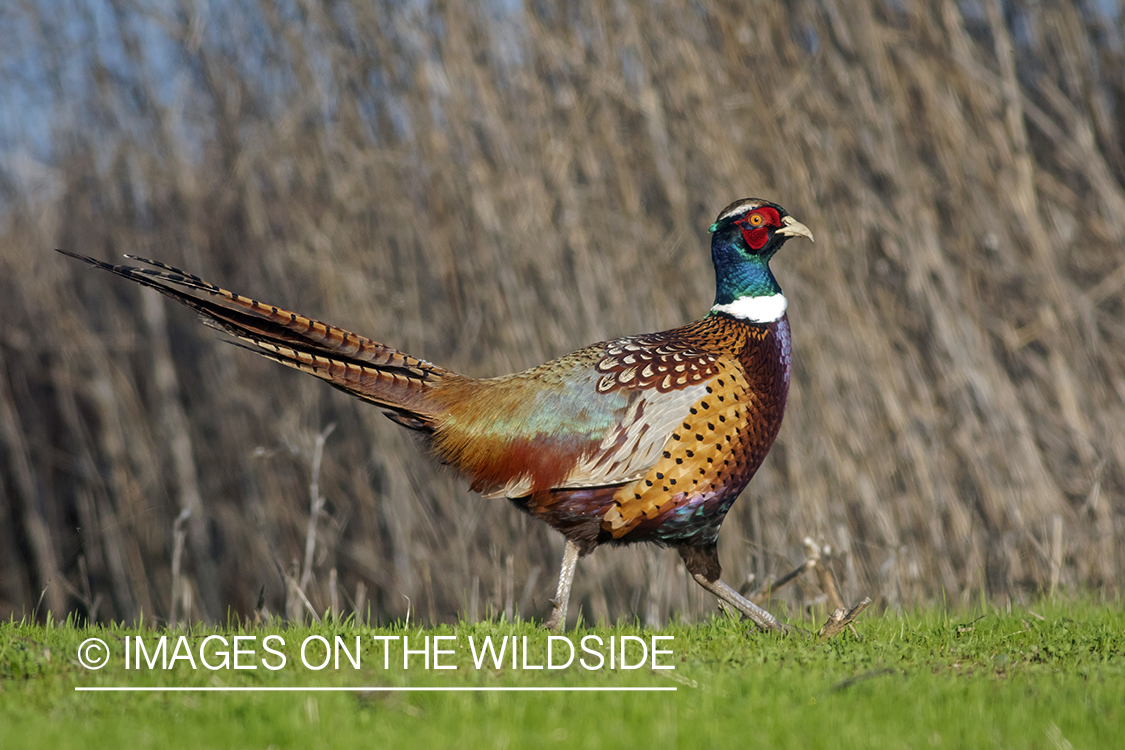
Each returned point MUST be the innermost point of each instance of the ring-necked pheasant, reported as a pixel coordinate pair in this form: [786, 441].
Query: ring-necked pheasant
[641, 439]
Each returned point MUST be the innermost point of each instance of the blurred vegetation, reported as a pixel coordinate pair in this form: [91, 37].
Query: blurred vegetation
[488, 185]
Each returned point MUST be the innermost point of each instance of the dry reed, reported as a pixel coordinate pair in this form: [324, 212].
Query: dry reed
[490, 185]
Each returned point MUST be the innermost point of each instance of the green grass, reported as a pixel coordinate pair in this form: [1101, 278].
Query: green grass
[925, 679]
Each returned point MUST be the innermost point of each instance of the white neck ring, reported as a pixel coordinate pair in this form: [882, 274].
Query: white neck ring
[755, 309]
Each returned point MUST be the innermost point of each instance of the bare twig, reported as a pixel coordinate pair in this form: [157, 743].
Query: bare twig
[843, 618]
[824, 575]
[179, 537]
[83, 596]
[509, 587]
[360, 601]
[91, 600]
[814, 562]
[299, 595]
[333, 594]
[1056, 552]
[316, 505]
[260, 613]
[772, 587]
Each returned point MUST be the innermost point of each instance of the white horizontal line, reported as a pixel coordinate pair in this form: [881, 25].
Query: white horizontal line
[374, 689]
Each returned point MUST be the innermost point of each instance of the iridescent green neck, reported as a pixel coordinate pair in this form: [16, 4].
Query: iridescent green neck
[739, 273]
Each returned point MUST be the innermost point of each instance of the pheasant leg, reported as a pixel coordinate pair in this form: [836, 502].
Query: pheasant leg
[760, 617]
[703, 564]
[557, 620]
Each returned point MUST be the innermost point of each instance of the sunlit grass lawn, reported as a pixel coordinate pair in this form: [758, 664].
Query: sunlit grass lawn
[926, 679]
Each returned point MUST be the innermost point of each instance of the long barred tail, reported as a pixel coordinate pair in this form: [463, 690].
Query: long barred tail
[352, 363]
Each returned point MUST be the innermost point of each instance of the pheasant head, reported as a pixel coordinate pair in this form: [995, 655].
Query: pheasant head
[743, 239]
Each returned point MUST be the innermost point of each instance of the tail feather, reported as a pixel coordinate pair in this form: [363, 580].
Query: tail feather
[355, 364]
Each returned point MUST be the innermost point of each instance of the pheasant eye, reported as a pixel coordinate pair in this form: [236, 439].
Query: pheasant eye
[756, 220]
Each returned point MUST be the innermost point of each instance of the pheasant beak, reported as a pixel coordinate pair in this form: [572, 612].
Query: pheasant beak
[790, 227]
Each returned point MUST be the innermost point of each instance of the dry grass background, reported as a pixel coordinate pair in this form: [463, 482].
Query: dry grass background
[490, 185]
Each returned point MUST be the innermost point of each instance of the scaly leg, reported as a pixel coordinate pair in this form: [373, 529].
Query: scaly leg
[562, 597]
[703, 564]
[757, 615]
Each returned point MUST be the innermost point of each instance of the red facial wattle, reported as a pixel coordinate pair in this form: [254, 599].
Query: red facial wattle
[757, 236]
